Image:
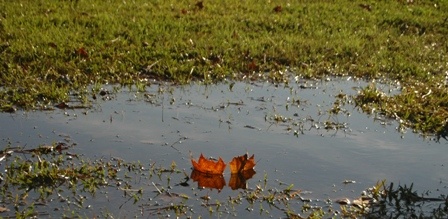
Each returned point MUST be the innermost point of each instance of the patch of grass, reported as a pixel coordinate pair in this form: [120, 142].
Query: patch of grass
[420, 106]
[51, 51]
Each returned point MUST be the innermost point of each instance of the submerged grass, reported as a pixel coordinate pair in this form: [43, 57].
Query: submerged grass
[51, 51]
[50, 180]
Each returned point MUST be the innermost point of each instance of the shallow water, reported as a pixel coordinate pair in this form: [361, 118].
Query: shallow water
[229, 120]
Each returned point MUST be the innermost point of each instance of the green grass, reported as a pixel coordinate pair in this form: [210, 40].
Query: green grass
[51, 51]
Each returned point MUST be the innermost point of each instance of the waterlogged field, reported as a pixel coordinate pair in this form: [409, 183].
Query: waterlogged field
[75, 142]
[130, 154]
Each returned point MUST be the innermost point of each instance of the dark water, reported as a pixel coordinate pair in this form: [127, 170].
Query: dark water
[229, 120]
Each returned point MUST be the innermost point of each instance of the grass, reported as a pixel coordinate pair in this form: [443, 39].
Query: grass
[52, 51]
[423, 108]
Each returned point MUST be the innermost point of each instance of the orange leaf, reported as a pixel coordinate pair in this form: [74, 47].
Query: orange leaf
[241, 164]
[209, 166]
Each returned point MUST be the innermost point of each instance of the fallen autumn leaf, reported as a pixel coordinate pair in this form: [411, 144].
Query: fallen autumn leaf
[209, 166]
[241, 164]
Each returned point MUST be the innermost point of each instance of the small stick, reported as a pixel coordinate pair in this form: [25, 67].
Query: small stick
[160, 192]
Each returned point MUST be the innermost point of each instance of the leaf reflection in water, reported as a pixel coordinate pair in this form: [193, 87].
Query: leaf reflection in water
[212, 181]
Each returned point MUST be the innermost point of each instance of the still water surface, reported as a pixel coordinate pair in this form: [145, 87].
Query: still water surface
[229, 120]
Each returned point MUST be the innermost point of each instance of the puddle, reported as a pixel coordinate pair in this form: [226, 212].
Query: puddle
[283, 126]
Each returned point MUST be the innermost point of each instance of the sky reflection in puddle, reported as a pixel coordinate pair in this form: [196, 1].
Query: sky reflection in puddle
[220, 122]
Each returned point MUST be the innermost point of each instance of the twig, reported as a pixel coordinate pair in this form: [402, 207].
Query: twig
[158, 190]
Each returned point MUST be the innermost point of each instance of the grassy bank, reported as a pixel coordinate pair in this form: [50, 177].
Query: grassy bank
[50, 51]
